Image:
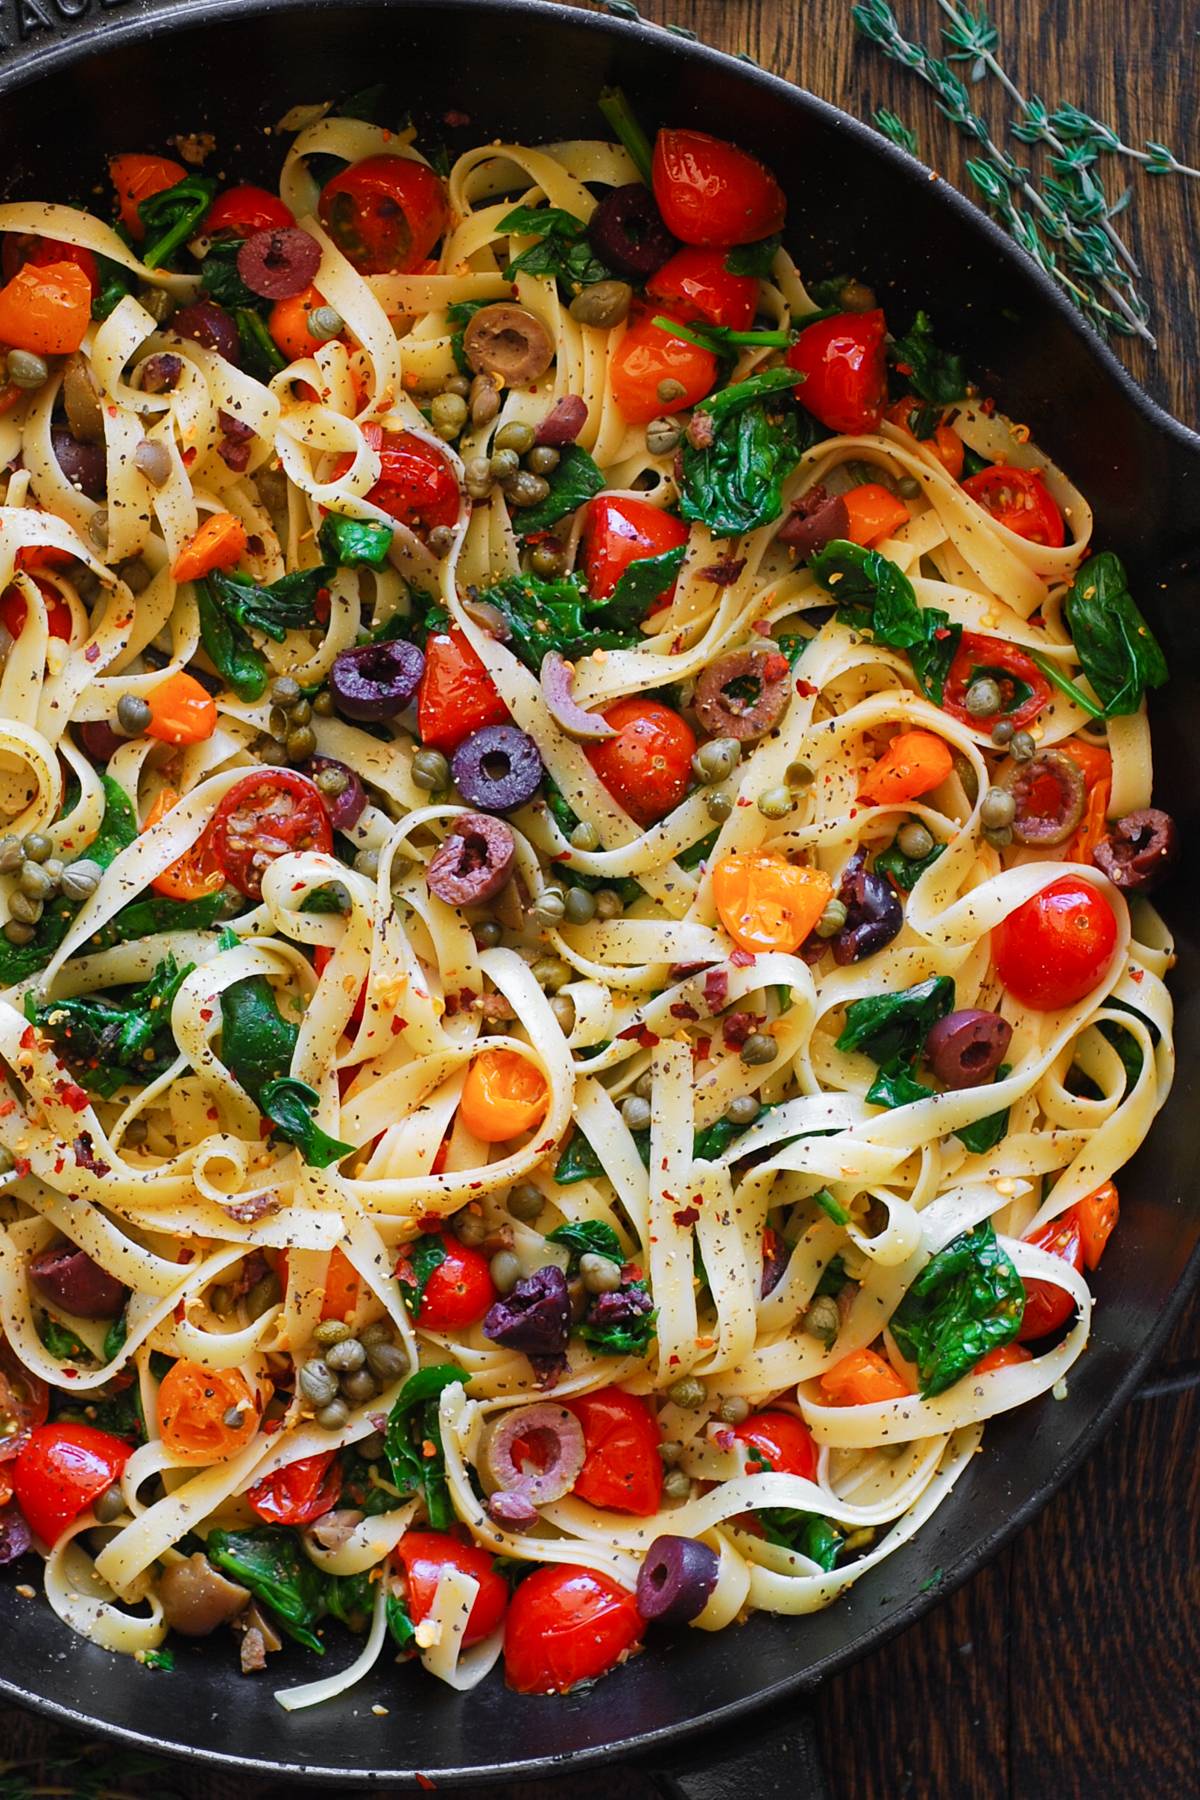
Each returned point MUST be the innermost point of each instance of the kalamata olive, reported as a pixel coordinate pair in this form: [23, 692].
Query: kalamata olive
[536, 1317]
[98, 738]
[966, 1048]
[83, 465]
[210, 325]
[159, 373]
[237, 441]
[536, 1451]
[509, 341]
[1138, 850]
[497, 768]
[15, 1535]
[558, 690]
[676, 1579]
[376, 681]
[70, 1278]
[627, 233]
[1048, 794]
[815, 521]
[279, 264]
[874, 916]
[624, 1307]
[743, 695]
[344, 809]
[514, 1511]
[475, 861]
[564, 422]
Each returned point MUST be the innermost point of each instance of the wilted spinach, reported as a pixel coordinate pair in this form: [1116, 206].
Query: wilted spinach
[967, 1300]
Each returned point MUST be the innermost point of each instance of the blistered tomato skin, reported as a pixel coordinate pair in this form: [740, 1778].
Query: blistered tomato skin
[567, 1625]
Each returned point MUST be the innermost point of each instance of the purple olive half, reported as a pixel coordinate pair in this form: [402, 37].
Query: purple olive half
[279, 264]
[497, 768]
[344, 809]
[15, 1535]
[874, 916]
[210, 325]
[627, 233]
[536, 1317]
[516, 1512]
[376, 681]
[624, 1307]
[558, 690]
[966, 1048]
[1049, 793]
[815, 520]
[676, 1579]
[70, 1278]
[1138, 850]
[536, 1451]
[475, 861]
[83, 465]
[98, 739]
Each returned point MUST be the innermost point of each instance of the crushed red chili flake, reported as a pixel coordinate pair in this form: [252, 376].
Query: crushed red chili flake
[92, 653]
[701, 1049]
[687, 1215]
[716, 989]
[741, 959]
[85, 1156]
[72, 1095]
[723, 573]
[27, 1040]
[21, 1166]
[736, 1029]
[682, 1010]
[775, 667]
[641, 1035]
[805, 688]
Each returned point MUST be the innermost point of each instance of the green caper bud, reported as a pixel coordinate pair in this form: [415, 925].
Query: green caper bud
[301, 743]
[318, 1383]
[563, 1008]
[688, 1392]
[983, 697]
[644, 1085]
[603, 304]
[799, 775]
[441, 540]
[37, 847]
[470, 1229]
[543, 459]
[157, 302]
[832, 920]
[133, 714]
[585, 836]
[734, 1410]
[387, 1362]
[488, 933]
[221, 1299]
[524, 489]
[822, 1319]
[458, 384]
[484, 400]
[505, 1271]
[449, 413]
[549, 907]
[716, 760]
[1003, 732]
[332, 1331]
[525, 1202]
[758, 1048]
[379, 1331]
[1023, 746]
[670, 390]
[670, 1451]
[998, 836]
[551, 972]
[744, 1110]
[323, 704]
[301, 713]
[55, 868]
[609, 904]
[11, 855]
[25, 370]
[285, 691]
[277, 719]
[34, 882]
[324, 322]
[636, 1112]
[333, 1416]
[430, 771]
[18, 933]
[775, 803]
[997, 808]
[366, 862]
[97, 528]
[23, 909]
[547, 559]
[503, 465]
[600, 1274]
[662, 436]
[345, 1356]
[914, 840]
[332, 781]
[358, 1386]
[909, 486]
[718, 806]
[478, 476]
[514, 436]
[580, 906]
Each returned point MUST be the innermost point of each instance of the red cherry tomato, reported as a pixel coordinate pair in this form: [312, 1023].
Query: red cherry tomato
[426, 1554]
[457, 695]
[1024, 690]
[300, 1492]
[262, 818]
[782, 1441]
[61, 1470]
[1097, 1214]
[24, 1402]
[647, 356]
[20, 247]
[385, 213]
[565, 1626]
[1055, 948]
[1019, 499]
[622, 1468]
[13, 612]
[243, 210]
[647, 766]
[710, 192]
[1046, 1306]
[845, 370]
[416, 484]
[695, 284]
[458, 1292]
[621, 530]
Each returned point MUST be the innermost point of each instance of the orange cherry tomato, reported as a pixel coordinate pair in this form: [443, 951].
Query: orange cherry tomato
[1097, 1213]
[781, 1441]
[503, 1096]
[844, 365]
[1004, 1356]
[1024, 690]
[342, 1287]
[219, 544]
[861, 1379]
[1020, 500]
[695, 284]
[457, 1294]
[1047, 1306]
[300, 1492]
[457, 695]
[181, 711]
[60, 1470]
[427, 1555]
[241, 211]
[193, 1404]
[13, 612]
[647, 356]
[914, 763]
[622, 1469]
[197, 872]
[945, 442]
[137, 178]
[647, 766]
[875, 513]
[385, 213]
[1056, 947]
[767, 903]
[21, 247]
[288, 325]
[567, 1625]
[620, 530]
[710, 192]
[46, 308]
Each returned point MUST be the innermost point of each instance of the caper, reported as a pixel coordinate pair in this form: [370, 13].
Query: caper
[333, 1416]
[488, 933]
[662, 436]
[563, 1008]
[34, 882]
[449, 413]
[133, 714]
[997, 808]
[358, 1386]
[430, 771]
[526, 489]
[670, 390]
[600, 1274]
[371, 1447]
[718, 806]
[636, 1112]
[644, 1085]
[484, 400]
[81, 879]
[855, 296]
[670, 1451]
[909, 486]
[688, 1392]
[758, 1048]
[832, 920]
[387, 1362]
[551, 972]
[379, 1331]
[18, 933]
[609, 904]
[153, 459]
[346, 1355]
[734, 1410]
[584, 836]
[318, 1383]
[470, 1229]
[743, 1110]
[325, 322]
[914, 840]
[221, 1299]
[25, 370]
[11, 855]
[799, 775]
[265, 1293]
[677, 1485]
[543, 459]
[1023, 746]
[604, 304]
[549, 907]
[37, 847]
[515, 436]
[332, 781]
[323, 704]
[366, 862]
[580, 906]
[822, 1319]
[332, 1331]
[98, 528]
[983, 697]
[775, 803]
[478, 478]
[547, 559]
[1003, 732]
[110, 1505]
[285, 691]
[157, 302]
[525, 1202]
[503, 464]
[23, 909]
[716, 760]
[136, 576]
[505, 1271]
[441, 540]
[998, 836]
[458, 384]
[8, 1161]
[301, 743]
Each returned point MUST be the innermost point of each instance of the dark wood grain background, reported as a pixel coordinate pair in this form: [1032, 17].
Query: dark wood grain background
[1069, 1666]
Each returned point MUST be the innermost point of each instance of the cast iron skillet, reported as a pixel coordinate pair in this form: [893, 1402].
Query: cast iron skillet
[110, 80]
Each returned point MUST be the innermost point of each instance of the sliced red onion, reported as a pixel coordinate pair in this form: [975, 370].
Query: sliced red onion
[558, 685]
[676, 1579]
[535, 1451]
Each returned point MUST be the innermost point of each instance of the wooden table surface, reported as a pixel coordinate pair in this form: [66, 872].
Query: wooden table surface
[1068, 1666]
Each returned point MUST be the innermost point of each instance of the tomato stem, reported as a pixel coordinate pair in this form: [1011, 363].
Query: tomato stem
[1068, 687]
[619, 114]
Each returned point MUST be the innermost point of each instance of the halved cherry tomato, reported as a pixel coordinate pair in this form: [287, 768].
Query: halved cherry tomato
[181, 710]
[24, 1402]
[844, 366]
[620, 530]
[13, 612]
[646, 357]
[1057, 947]
[60, 1470]
[21, 247]
[1002, 1357]
[710, 192]
[875, 513]
[416, 484]
[781, 1441]
[647, 766]
[264, 817]
[457, 695]
[1046, 1305]
[1096, 765]
[300, 1492]
[622, 1469]
[1020, 500]
[196, 872]
[914, 763]
[342, 1286]
[504, 1095]
[42, 556]
[288, 325]
[241, 211]
[861, 1379]
[1097, 1213]
[137, 178]
[565, 1626]
[385, 213]
[219, 544]
[695, 284]
[426, 1555]
[458, 1292]
[767, 903]
[46, 308]
[1024, 690]
[945, 442]
[196, 1409]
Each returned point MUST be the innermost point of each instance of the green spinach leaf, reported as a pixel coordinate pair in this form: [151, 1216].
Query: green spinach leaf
[219, 276]
[109, 1042]
[554, 615]
[642, 583]
[562, 250]
[229, 648]
[261, 356]
[171, 217]
[1117, 650]
[890, 1026]
[811, 1534]
[414, 1441]
[460, 315]
[875, 596]
[587, 1237]
[736, 483]
[629, 1336]
[257, 1042]
[418, 1261]
[987, 1132]
[905, 871]
[936, 375]
[753, 259]
[115, 282]
[288, 604]
[290, 1105]
[269, 1561]
[576, 479]
[354, 543]
[967, 1300]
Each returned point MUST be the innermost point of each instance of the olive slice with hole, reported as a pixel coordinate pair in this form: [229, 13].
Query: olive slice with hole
[509, 341]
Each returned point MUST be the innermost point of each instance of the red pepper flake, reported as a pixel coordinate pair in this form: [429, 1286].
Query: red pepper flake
[682, 1010]
[206, 1013]
[270, 1426]
[265, 1128]
[85, 1157]
[805, 688]
[1137, 974]
[7, 1107]
[21, 1166]
[701, 1049]
[189, 457]
[641, 1035]
[58, 1165]
[212, 1114]
[723, 573]
[72, 1095]
[943, 631]
[716, 989]
[398, 1025]
[775, 667]
[687, 1215]
[92, 653]
[742, 959]
[736, 1029]
[27, 1041]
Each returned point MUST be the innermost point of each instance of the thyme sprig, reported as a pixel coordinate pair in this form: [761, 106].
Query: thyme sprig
[895, 128]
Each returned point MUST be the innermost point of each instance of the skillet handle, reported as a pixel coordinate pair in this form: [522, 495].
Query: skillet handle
[772, 1756]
